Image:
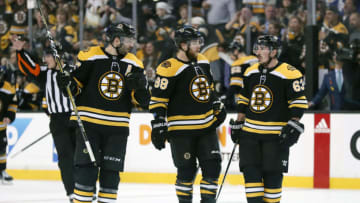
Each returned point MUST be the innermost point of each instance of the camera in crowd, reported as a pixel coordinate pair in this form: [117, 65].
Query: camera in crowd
[351, 54]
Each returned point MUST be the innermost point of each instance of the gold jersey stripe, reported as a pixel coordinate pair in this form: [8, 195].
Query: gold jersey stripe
[302, 106]
[102, 122]
[192, 127]
[182, 193]
[264, 123]
[158, 99]
[190, 117]
[261, 131]
[99, 111]
[153, 106]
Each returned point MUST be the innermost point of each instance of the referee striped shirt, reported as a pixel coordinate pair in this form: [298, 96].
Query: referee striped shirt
[46, 77]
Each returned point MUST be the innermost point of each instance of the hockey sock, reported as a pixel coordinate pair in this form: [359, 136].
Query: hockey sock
[107, 195]
[273, 187]
[254, 186]
[208, 189]
[184, 190]
[2, 161]
[83, 193]
[109, 181]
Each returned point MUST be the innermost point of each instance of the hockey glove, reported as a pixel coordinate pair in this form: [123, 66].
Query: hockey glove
[136, 80]
[290, 133]
[219, 112]
[235, 127]
[64, 80]
[158, 133]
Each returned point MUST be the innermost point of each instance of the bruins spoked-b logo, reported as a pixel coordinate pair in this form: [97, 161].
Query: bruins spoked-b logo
[111, 85]
[200, 88]
[261, 99]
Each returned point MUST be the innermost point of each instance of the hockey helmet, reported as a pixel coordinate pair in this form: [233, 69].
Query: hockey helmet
[236, 45]
[186, 34]
[270, 41]
[119, 30]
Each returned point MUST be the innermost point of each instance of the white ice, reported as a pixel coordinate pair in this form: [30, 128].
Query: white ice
[22, 191]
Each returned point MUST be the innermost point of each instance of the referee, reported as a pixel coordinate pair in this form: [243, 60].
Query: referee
[58, 108]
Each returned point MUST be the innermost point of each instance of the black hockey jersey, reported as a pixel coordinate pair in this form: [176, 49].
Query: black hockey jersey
[103, 99]
[183, 92]
[270, 98]
[8, 102]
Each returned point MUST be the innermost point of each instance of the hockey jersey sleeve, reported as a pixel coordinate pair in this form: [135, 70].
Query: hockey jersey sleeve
[164, 85]
[297, 102]
[9, 90]
[29, 66]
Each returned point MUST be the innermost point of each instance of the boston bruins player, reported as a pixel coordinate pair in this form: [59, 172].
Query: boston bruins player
[241, 63]
[269, 106]
[106, 83]
[187, 114]
[8, 108]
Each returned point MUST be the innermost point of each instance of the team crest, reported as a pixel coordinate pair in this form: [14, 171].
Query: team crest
[200, 88]
[261, 99]
[111, 85]
[3, 27]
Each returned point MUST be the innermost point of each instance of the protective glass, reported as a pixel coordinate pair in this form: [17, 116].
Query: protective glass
[258, 47]
[198, 41]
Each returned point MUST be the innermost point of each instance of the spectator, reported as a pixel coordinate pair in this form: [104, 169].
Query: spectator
[354, 26]
[335, 84]
[294, 44]
[20, 17]
[165, 21]
[63, 32]
[218, 13]
[117, 11]
[270, 16]
[5, 24]
[257, 6]
[349, 8]
[332, 23]
[183, 16]
[150, 61]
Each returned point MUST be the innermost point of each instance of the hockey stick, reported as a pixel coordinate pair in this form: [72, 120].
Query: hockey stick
[58, 63]
[226, 171]
[29, 145]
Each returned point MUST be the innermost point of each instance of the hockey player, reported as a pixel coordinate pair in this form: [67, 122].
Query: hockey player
[186, 113]
[59, 108]
[105, 83]
[270, 105]
[241, 63]
[8, 110]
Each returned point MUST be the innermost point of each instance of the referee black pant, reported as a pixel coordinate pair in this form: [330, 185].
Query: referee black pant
[64, 139]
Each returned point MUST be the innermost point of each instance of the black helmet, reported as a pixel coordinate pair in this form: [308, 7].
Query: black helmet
[270, 41]
[119, 30]
[186, 34]
[236, 45]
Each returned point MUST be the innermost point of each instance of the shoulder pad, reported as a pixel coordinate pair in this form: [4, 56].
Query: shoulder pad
[202, 59]
[7, 88]
[252, 69]
[286, 71]
[31, 88]
[92, 54]
[170, 68]
[132, 59]
[245, 60]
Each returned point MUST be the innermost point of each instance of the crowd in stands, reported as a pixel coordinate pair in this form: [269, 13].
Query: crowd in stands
[219, 21]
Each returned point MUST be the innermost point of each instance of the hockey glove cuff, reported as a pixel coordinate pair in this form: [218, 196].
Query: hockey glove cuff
[219, 112]
[235, 127]
[290, 133]
[158, 133]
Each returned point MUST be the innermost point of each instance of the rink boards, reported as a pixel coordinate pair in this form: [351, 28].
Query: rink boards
[327, 155]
